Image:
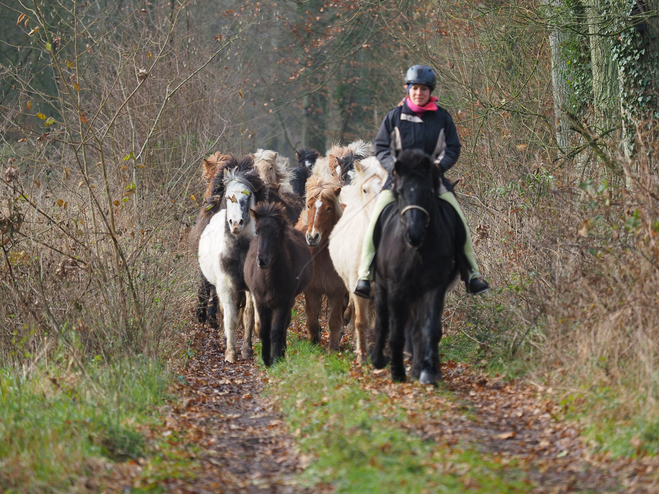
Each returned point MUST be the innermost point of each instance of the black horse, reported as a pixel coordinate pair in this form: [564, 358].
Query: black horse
[419, 256]
[306, 159]
[278, 267]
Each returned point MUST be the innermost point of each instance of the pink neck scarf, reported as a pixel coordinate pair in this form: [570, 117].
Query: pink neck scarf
[430, 106]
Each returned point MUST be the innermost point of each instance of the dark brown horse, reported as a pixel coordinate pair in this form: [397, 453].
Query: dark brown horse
[277, 268]
[322, 213]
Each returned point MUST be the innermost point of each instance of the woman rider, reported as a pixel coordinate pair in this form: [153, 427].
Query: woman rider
[425, 126]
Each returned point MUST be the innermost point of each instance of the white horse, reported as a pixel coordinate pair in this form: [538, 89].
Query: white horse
[223, 246]
[347, 237]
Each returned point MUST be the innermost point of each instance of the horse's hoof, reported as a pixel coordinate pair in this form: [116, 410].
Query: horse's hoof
[247, 353]
[428, 377]
[212, 322]
[398, 377]
[230, 357]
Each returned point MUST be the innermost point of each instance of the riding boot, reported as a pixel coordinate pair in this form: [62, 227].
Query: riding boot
[476, 284]
[366, 272]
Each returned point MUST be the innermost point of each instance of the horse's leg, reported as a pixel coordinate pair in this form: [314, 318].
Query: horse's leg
[313, 300]
[417, 340]
[281, 318]
[228, 298]
[431, 335]
[248, 325]
[213, 308]
[361, 308]
[203, 291]
[397, 340]
[265, 316]
[378, 359]
[335, 320]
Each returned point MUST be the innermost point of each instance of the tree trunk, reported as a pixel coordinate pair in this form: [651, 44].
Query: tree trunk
[606, 90]
[559, 74]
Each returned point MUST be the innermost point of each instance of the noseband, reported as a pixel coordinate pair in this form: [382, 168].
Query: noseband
[414, 206]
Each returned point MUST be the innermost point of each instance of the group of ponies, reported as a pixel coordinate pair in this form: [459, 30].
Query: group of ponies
[262, 240]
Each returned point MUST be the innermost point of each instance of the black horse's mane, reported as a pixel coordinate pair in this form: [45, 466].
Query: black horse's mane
[271, 210]
[234, 168]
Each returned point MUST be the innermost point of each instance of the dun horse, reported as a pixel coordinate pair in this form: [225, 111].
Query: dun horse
[347, 238]
[322, 213]
[420, 254]
[277, 269]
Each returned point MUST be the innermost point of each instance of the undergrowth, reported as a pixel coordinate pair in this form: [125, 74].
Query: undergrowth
[58, 423]
[359, 443]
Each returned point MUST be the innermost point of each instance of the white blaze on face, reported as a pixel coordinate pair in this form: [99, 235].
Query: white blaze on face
[318, 205]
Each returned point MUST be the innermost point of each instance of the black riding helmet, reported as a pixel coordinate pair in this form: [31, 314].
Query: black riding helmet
[420, 74]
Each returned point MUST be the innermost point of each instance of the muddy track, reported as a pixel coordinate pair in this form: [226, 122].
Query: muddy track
[243, 441]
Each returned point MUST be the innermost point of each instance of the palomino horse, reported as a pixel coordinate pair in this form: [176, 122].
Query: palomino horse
[322, 213]
[346, 241]
[273, 169]
[224, 243]
[277, 269]
[420, 254]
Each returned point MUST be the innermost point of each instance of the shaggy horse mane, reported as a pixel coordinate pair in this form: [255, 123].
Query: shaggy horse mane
[321, 188]
[230, 170]
[343, 156]
[280, 163]
[364, 170]
[271, 210]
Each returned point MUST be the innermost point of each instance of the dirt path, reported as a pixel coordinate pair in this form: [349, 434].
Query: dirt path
[518, 424]
[241, 444]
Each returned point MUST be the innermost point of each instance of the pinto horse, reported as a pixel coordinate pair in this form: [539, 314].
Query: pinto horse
[224, 243]
[419, 256]
[346, 243]
[322, 213]
[339, 162]
[277, 269]
[206, 294]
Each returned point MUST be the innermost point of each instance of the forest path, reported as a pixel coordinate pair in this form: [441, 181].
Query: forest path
[241, 443]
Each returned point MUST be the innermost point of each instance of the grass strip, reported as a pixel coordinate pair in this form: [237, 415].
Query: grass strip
[57, 427]
[358, 440]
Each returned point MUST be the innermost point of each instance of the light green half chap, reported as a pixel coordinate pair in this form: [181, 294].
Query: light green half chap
[368, 248]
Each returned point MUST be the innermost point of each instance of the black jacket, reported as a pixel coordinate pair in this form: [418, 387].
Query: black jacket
[434, 132]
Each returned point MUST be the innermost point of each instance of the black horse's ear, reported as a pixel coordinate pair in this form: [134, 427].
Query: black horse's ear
[254, 214]
[396, 143]
[397, 166]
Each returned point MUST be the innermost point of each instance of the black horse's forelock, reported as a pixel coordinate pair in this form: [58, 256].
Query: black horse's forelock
[271, 210]
[306, 154]
[412, 162]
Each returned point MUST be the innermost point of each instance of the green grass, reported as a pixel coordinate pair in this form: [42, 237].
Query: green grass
[357, 441]
[55, 420]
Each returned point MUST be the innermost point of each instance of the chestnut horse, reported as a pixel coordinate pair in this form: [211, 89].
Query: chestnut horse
[322, 213]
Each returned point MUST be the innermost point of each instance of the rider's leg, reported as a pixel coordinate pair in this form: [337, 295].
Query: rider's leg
[365, 274]
[476, 283]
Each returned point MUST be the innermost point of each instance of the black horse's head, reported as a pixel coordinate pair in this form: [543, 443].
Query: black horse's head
[271, 222]
[415, 188]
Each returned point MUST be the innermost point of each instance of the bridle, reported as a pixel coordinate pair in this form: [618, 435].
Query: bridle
[414, 206]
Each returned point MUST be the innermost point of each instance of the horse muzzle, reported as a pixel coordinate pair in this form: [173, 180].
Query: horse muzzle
[262, 263]
[313, 240]
[236, 227]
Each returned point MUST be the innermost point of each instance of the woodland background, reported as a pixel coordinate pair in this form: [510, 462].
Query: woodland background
[109, 107]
